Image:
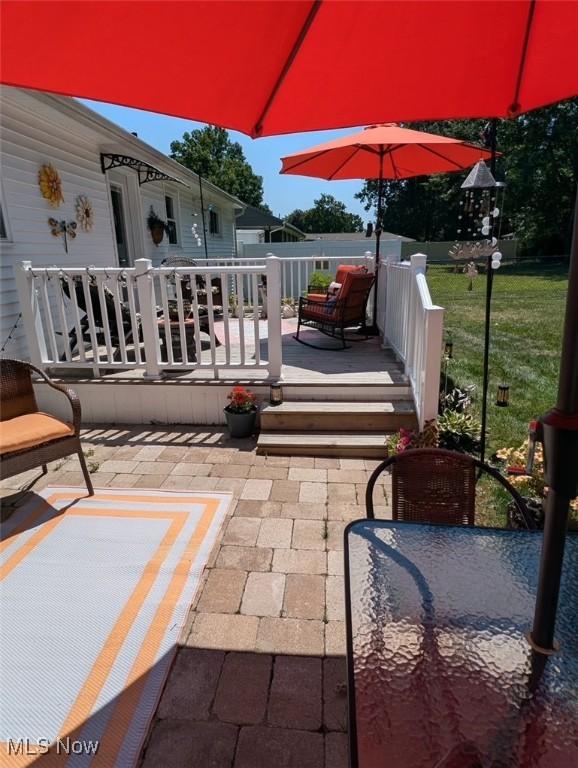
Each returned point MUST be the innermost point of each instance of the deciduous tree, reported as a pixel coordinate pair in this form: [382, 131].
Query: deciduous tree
[327, 215]
[210, 152]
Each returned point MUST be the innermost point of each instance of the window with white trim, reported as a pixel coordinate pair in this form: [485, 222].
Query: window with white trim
[172, 222]
[3, 230]
[214, 222]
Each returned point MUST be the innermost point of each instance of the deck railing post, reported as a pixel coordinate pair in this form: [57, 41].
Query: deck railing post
[431, 364]
[147, 303]
[31, 316]
[273, 268]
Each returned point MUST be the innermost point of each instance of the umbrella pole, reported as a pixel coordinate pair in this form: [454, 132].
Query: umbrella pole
[203, 217]
[561, 460]
[374, 330]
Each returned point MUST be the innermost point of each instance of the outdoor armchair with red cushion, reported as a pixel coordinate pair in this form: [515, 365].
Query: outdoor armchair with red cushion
[333, 315]
[30, 438]
[342, 270]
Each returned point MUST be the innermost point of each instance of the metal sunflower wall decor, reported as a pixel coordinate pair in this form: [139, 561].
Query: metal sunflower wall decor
[50, 185]
[84, 213]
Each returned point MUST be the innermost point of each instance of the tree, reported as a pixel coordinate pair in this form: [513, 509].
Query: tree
[211, 154]
[327, 215]
[539, 164]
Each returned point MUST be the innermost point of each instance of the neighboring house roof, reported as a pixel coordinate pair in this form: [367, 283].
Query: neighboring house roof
[346, 236]
[255, 218]
[131, 143]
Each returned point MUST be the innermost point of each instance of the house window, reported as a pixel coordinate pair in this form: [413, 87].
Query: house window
[172, 229]
[3, 231]
[214, 222]
[322, 265]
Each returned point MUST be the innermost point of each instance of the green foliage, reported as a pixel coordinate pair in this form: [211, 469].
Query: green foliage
[154, 220]
[527, 320]
[319, 282]
[539, 164]
[210, 153]
[459, 431]
[327, 215]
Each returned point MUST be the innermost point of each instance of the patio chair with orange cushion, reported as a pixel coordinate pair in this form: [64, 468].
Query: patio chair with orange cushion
[342, 270]
[30, 438]
[334, 314]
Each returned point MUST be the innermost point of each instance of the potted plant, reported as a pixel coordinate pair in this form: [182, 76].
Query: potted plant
[156, 226]
[241, 413]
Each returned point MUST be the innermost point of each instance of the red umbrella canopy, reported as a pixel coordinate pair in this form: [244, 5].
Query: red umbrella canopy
[265, 67]
[384, 151]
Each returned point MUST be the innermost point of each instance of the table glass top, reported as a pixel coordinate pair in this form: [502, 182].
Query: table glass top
[444, 676]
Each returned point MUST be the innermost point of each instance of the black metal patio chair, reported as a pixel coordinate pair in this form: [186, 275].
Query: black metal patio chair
[433, 485]
[332, 316]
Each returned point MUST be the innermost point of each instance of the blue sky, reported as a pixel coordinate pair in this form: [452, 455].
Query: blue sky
[282, 193]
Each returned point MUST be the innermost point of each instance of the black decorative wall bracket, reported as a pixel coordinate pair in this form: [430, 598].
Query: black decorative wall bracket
[145, 171]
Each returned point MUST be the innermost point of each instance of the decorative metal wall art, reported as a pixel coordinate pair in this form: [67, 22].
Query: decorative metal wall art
[63, 229]
[84, 213]
[50, 185]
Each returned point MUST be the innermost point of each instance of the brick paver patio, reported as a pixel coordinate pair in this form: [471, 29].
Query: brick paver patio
[259, 678]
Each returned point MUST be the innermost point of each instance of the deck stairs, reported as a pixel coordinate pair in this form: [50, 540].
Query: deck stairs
[347, 421]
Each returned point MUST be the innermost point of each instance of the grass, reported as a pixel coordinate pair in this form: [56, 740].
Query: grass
[528, 304]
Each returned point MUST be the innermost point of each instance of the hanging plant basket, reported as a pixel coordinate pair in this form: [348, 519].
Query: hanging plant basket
[156, 226]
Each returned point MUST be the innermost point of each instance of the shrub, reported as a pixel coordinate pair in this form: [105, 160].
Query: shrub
[319, 282]
[459, 399]
[459, 431]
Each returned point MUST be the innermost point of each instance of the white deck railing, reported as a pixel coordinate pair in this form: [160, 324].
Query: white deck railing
[295, 271]
[154, 318]
[145, 317]
[413, 327]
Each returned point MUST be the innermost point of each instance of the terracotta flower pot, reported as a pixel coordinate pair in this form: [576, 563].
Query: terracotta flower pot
[241, 424]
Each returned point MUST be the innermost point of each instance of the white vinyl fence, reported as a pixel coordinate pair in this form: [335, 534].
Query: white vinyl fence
[413, 327]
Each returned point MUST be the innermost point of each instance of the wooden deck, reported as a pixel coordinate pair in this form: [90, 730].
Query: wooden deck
[365, 363]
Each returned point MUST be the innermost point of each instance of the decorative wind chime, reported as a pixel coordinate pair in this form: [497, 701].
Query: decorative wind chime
[479, 221]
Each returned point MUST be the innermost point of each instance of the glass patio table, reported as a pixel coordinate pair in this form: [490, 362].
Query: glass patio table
[440, 671]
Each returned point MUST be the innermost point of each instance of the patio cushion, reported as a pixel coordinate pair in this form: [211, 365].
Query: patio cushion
[319, 312]
[30, 430]
[335, 287]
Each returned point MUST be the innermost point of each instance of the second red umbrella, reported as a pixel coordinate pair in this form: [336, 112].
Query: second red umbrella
[384, 152]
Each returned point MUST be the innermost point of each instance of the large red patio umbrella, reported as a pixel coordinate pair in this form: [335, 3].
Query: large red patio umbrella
[294, 65]
[266, 68]
[384, 152]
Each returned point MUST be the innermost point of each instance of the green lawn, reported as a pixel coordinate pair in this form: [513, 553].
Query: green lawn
[527, 317]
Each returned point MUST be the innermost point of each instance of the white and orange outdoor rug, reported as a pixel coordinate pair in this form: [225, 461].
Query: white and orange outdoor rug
[95, 591]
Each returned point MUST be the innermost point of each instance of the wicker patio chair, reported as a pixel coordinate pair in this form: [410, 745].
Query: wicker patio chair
[30, 438]
[334, 315]
[432, 485]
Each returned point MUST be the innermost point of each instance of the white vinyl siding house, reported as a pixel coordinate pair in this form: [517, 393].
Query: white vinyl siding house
[38, 128]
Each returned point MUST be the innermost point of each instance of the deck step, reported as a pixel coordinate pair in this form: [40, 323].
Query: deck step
[322, 416]
[361, 445]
